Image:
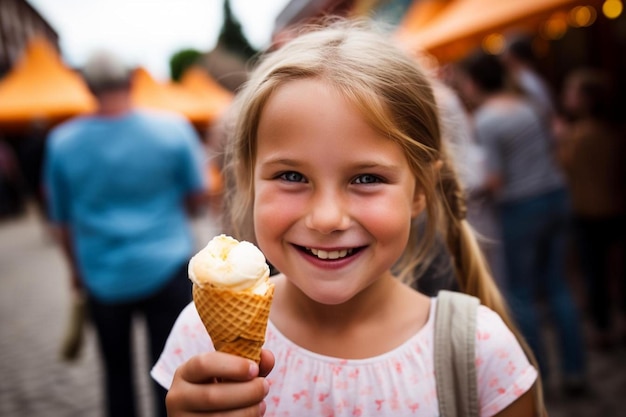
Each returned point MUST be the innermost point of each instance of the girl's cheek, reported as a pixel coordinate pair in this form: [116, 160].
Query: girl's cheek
[274, 207]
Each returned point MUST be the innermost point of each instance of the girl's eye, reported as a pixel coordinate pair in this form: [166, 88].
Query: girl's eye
[367, 179]
[291, 176]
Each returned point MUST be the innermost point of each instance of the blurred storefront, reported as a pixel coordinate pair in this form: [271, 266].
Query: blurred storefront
[19, 22]
[448, 32]
[566, 33]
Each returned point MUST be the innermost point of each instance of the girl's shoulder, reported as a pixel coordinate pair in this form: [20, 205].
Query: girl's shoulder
[503, 371]
[493, 336]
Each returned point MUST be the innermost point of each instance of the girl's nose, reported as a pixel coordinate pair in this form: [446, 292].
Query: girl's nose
[327, 213]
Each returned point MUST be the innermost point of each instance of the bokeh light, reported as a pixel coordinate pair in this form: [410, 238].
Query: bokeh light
[612, 8]
[582, 16]
[494, 43]
[555, 27]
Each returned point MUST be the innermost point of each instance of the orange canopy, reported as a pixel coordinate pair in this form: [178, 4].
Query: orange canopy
[41, 88]
[214, 96]
[198, 97]
[419, 15]
[462, 24]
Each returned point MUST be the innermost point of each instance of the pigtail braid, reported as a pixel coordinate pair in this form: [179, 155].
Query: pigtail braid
[471, 267]
[472, 271]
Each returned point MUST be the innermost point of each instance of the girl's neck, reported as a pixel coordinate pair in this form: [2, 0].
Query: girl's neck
[373, 322]
[361, 307]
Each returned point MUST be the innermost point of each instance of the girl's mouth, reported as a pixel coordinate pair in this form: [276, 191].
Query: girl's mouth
[329, 255]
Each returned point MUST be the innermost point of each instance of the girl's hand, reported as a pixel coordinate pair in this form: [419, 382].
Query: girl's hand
[219, 383]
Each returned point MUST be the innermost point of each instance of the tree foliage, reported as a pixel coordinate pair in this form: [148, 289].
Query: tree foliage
[181, 60]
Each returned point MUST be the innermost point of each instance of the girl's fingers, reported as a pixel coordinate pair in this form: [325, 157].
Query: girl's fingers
[240, 389]
[267, 362]
[216, 365]
[220, 396]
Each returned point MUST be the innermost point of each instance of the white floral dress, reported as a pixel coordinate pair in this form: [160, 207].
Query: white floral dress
[398, 383]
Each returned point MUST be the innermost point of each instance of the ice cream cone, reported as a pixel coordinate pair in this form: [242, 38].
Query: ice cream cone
[235, 320]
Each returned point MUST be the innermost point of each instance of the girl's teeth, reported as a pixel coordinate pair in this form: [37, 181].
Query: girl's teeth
[336, 254]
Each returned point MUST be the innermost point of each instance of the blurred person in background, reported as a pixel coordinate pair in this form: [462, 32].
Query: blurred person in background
[11, 200]
[592, 152]
[469, 159]
[521, 61]
[30, 151]
[121, 184]
[532, 205]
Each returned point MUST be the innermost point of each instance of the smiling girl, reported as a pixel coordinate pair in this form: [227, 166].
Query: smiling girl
[335, 158]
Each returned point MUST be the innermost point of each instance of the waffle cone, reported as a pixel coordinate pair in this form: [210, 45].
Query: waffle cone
[235, 320]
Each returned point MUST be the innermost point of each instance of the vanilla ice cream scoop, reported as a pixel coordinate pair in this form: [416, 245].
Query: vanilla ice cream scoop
[227, 263]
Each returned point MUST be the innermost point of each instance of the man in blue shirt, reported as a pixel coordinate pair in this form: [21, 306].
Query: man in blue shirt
[120, 184]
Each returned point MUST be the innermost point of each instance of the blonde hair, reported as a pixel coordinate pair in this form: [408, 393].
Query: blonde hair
[396, 97]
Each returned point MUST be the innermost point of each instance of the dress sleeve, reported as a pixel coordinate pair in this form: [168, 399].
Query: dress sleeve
[503, 371]
[187, 338]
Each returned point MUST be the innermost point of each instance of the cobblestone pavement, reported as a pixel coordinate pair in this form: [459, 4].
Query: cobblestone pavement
[34, 301]
[34, 309]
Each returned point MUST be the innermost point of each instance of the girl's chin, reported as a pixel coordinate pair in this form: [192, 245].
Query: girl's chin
[329, 295]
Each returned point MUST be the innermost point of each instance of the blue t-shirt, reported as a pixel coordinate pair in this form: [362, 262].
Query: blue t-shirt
[119, 184]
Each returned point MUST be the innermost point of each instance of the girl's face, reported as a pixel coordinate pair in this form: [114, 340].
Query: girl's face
[334, 199]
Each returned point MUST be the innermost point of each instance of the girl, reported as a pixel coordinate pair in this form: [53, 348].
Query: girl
[335, 159]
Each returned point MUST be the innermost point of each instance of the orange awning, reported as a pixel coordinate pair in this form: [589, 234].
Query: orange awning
[197, 98]
[214, 96]
[41, 88]
[462, 24]
[419, 15]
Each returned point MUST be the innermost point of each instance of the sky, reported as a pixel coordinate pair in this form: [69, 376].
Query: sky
[148, 32]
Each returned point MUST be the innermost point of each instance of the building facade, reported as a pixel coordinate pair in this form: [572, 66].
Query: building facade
[19, 22]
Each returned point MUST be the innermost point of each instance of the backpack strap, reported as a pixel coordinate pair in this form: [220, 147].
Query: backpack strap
[455, 356]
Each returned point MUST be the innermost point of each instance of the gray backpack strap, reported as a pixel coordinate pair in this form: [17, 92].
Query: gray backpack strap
[455, 356]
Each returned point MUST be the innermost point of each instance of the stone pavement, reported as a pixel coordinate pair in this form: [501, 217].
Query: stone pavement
[34, 299]
[34, 309]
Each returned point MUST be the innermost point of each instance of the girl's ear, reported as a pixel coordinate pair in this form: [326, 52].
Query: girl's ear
[419, 197]
[419, 202]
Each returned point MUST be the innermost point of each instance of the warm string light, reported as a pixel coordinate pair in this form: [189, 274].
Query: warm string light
[612, 9]
[556, 26]
[582, 16]
[494, 43]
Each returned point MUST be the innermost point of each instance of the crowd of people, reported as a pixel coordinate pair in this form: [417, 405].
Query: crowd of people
[554, 189]
[482, 179]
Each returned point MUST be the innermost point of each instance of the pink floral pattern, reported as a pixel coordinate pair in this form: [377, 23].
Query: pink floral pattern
[399, 383]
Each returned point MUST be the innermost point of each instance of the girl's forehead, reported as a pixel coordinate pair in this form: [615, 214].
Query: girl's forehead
[313, 111]
[312, 105]
[320, 93]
